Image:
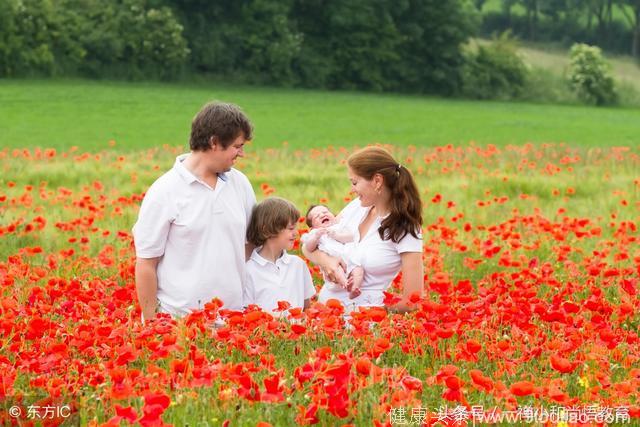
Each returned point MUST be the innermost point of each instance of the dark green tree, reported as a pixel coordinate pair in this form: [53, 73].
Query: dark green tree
[33, 34]
[346, 44]
[120, 38]
[631, 10]
[432, 34]
[269, 43]
[245, 39]
[495, 71]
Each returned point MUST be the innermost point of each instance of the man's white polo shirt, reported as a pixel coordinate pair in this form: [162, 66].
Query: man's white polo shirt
[200, 233]
[288, 279]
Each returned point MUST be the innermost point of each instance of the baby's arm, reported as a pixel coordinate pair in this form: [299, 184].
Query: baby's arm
[342, 235]
[313, 239]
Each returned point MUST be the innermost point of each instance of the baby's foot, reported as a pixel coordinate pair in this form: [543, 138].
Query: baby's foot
[355, 293]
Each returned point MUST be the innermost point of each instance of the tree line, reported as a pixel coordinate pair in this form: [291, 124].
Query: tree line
[610, 24]
[414, 46]
[398, 45]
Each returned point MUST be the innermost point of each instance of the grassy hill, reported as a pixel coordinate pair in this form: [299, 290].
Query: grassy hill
[625, 70]
[89, 114]
[549, 65]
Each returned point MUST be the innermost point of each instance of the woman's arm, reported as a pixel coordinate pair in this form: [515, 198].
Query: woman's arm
[328, 264]
[412, 281]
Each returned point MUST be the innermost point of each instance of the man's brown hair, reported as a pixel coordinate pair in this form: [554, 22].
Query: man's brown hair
[221, 121]
[269, 218]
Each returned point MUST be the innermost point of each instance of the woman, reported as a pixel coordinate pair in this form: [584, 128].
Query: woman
[386, 220]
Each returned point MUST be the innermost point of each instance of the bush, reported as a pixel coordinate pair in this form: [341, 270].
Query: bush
[628, 94]
[128, 40]
[33, 33]
[123, 38]
[546, 86]
[495, 71]
[590, 75]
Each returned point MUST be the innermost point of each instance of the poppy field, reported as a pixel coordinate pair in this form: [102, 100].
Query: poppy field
[532, 274]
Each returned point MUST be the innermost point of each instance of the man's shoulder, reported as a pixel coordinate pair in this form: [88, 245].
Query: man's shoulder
[168, 182]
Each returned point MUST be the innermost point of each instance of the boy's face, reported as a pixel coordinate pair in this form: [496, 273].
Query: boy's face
[321, 217]
[286, 238]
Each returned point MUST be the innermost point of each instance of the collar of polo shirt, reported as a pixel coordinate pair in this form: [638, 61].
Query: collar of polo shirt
[187, 175]
[285, 258]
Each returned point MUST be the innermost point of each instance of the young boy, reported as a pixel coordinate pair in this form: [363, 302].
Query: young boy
[273, 274]
[327, 235]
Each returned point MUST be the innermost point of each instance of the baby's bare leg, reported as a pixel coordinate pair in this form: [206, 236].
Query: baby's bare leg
[357, 277]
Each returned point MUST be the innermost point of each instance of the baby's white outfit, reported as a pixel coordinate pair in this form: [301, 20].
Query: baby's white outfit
[348, 252]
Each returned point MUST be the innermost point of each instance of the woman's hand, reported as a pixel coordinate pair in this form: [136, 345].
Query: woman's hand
[412, 282]
[334, 269]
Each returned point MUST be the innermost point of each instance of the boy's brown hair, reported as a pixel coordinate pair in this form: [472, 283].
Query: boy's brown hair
[269, 218]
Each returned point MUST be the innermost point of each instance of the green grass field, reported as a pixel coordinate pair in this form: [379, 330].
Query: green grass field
[88, 114]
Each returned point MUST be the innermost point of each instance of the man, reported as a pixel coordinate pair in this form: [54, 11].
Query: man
[190, 234]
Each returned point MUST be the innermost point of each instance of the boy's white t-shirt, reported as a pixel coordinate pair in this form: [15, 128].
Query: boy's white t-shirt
[288, 279]
[200, 233]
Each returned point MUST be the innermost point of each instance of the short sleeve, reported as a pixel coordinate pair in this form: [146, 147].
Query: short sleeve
[351, 216]
[349, 210]
[152, 227]
[410, 244]
[309, 289]
[249, 195]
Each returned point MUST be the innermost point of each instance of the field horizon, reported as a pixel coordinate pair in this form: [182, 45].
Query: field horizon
[94, 115]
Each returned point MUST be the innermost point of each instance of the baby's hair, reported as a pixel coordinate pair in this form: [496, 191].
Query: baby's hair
[269, 218]
[308, 220]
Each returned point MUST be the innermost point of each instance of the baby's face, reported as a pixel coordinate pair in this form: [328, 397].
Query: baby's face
[321, 217]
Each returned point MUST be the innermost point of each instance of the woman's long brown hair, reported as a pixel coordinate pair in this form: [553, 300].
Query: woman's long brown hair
[405, 208]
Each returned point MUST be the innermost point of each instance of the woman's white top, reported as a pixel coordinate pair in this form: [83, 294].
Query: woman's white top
[379, 258]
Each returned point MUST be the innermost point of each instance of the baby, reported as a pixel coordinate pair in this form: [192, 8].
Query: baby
[327, 235]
